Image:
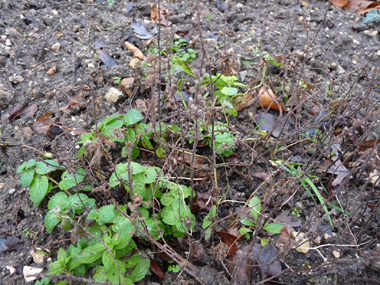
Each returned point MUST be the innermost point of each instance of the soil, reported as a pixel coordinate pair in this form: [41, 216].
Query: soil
[325, 47]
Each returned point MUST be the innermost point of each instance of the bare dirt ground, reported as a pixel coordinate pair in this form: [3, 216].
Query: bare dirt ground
[51, 61]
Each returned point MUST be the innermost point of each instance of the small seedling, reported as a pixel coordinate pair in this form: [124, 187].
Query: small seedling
[255, 209]
[173, 268]
[117, 80]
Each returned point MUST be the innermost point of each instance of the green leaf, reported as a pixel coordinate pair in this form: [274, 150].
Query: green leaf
[132, 117]
[69, 180]
[55, 268]
[140, 271]
[372, 16]
[91, 254]
[132, 261]
[58, 200]
[206, 222]
[62, 256]
[76, 202]
[107, 260]
[105, 214]
[100, 274]
[27, 177]
[167, 199]
[160, 152]
[30, 164]
[273, 228]
[247, 222]
[151, 174]
[124, 236]
[50, 222]
[39, 189]
[255, 205]
[131, 135]
[21, 168]
[44, 167]
[229, 91]
[239, 84]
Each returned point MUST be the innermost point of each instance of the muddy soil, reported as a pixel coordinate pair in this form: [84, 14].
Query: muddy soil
[49, 54]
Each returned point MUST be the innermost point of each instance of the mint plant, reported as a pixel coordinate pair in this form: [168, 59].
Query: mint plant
[226, 91]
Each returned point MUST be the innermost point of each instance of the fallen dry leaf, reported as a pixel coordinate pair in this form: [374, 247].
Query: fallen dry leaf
[268, 99]
[136, 52]
[155, 268]
[270, 263]
[159, 17]
[244, 102]
[357, 6]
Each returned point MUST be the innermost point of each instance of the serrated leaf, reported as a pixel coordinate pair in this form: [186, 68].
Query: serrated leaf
[55, 268]
[113, 273]
[100, 274]
[50, 222]
[107, 260]
[140, 271]
[124, 236]
[131, 135]
[167, 199]
[21, 168]
[105, 214]
[273, 228]
[30, 164]
[38, 189]
[70, 180]
[151, 175]
[77, 202]
[27, 177]
[132, 261]
[44, 167]
[58, 200]
[132, 117]
[91, 254]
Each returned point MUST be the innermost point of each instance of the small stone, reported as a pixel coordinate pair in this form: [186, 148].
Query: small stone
[8, 42]
[326, 236]
[340, 70]
[374, 33]
[56, 47]
[12, 270]
[333, 65]
[113, 95]
[300, 18]
[318, 239]
[91, 65]
[76, 29]
[12, 191]
[15, 79]
[38, 258]
[176, 37]
[51, 71]
[287, 89]
[127, 85]
[30, 273]
[54, 12]
[356, 42]
[378, 53]
[336, 254]
[239, 5]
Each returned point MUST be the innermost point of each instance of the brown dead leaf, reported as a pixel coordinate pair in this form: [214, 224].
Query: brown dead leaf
[155, 268]
[160, 17]
[268, 99]
[230, 240]
[244, 102]
[357, 6]
[136, 51]
[368, 144]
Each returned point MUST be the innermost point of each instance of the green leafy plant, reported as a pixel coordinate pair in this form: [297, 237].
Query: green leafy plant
[226, 91]
[255, 210]
[173, 268]
[117, 80]
[35, 175]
